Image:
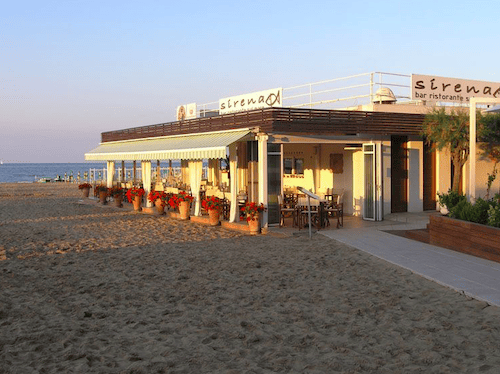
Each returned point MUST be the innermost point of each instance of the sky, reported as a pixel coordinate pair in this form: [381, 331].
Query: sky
[71, 69]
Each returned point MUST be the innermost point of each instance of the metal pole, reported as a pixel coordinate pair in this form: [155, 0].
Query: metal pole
[309, 214]
[371, 88]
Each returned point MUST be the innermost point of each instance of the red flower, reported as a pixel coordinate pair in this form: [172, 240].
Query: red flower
[253, 210]
[212, 203]
[177, 198]
[155, 195]
[133, 192]
[84, 185]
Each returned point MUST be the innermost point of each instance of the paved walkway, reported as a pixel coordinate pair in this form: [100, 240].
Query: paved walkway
[473, 276]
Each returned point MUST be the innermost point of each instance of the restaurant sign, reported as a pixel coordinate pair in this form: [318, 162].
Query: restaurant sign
[432, 88]
[255, 100]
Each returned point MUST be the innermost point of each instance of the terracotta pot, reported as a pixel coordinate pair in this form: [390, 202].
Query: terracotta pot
[160, 208]
[254, 225]
[86, 192]
[118, 201]
[102, 197]
[137, 203]
[184, 207]
[213, 217]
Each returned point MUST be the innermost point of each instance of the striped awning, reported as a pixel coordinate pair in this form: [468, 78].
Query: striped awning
[177, 147]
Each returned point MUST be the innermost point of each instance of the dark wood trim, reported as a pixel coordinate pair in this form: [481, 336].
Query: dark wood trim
[399, 174]
[284, 120]
[429, 177]
[467, 237]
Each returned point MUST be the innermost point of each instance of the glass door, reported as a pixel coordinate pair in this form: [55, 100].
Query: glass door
[373, 199]
[274, 175]
[369, 182]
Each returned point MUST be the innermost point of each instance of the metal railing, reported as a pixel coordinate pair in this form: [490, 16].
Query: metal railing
[337, 93]
[95, 175]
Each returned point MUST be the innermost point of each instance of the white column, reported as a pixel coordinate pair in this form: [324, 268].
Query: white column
[317, 169]
[472, 150]
[263, 194]
[233, 170]
[195, 170]
[146, 180]
[379, 182]
[110, 174]
[472, 142]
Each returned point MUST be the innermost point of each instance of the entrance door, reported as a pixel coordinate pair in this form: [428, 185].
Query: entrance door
[429, 178]
[399, 174]
[274, 175]
[373, 199]
[369, 205]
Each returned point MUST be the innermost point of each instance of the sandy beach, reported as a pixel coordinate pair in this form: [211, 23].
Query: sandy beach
[88, 289]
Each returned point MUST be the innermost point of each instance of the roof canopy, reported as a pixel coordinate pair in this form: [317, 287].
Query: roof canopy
[177, 147]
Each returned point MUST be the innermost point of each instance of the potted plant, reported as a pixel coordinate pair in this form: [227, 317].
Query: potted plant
[183, 201]
[449, 200]
[117, 194]
[103, 193]
[252, 211]
[134, 195]
[214, 206]
[158, 199]
[85, 187]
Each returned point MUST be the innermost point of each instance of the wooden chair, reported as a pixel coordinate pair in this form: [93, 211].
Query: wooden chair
[336, 209]
[287, 210]
[303, 213]
[226, 209]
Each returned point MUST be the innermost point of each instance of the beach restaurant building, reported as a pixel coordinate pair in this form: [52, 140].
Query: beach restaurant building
[359, 136]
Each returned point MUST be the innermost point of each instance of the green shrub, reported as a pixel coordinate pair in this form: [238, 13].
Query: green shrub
[477, 212]
[450, 199]
[494, 215]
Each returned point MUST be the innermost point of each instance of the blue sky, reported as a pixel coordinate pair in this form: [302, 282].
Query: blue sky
[72, 69]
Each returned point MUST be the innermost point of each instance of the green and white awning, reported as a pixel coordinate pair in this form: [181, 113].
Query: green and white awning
[177, 147]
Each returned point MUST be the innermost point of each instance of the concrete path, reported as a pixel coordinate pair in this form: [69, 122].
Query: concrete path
[473, 276]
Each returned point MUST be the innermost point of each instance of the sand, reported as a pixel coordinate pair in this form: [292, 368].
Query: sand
[88, 289]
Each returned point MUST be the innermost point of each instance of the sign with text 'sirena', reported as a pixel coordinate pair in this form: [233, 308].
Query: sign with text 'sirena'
[432, 88]
[255, 100]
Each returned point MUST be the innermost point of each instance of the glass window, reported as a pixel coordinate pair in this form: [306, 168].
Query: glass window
[287, 165]
[299, 166]
[271, 148]
[253, 151]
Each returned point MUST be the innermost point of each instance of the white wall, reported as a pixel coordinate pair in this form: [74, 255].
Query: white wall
[358, 178]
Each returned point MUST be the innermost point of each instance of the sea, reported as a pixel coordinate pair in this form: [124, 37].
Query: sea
[28, 173]
[36, 172]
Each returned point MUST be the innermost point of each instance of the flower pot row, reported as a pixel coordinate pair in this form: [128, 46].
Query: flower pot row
[181, 201]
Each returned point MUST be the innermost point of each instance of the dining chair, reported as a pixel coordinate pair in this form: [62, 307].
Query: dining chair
[287, 210]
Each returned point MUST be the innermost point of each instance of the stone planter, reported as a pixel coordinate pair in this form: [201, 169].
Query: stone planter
[184, 207]
[137, 203]
[118, 201]
[160, 207]
[102, 197]
[254, 226]
[86, 192]
[214, 217]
